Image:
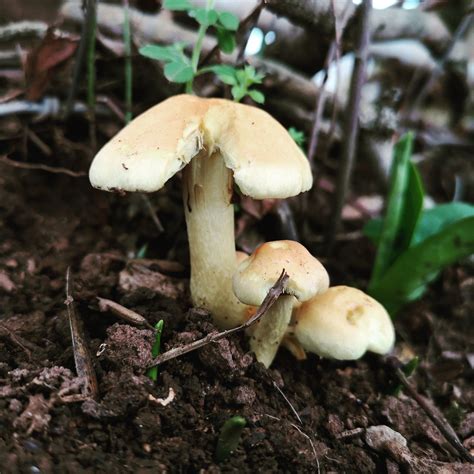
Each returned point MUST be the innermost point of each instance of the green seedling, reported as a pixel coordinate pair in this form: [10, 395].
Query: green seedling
[408, 369]
[229, 437]
[155, 350]
[413, 245]
[298, 136]
[181, 68]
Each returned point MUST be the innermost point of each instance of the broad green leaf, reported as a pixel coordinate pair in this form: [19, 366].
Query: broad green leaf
[226, 40]
[396, 202]
[256, 96]
[439, 217]
[224, 72]
[229, 21]
[203, 16]
[178, 71]
[431, 221]
[407, 278]
[177, 5]
[163, 53]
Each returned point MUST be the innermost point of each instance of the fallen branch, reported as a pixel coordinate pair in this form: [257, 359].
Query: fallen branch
[82, 357]
[273, 294]
[443, 426]
[122, 312]
[351, 125]
[39, 166]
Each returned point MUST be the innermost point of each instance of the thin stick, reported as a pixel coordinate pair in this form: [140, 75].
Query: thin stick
[293, 409]
[82, 358]
[273, 294]
[435, 73]
[91, 19]
[351, 125]
[127, 43]
[443, 426]
[39, 166]
[122, 312]
[151, 211]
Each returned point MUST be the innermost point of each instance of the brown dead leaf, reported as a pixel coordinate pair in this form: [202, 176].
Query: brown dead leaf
[43, 61]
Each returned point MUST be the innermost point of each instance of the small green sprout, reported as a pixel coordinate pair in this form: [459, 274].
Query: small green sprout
[298, 136]
[182, 69]
[141, 252]
[229, 437]
[155, 350]
[408, 369]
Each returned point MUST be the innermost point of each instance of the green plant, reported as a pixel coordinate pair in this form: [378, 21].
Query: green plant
[229, 437]
[414, 245]
[179, 67]
[155, 350]
[298, 136]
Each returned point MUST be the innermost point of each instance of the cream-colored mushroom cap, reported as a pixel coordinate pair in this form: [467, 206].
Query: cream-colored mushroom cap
[258, 273]
[158, 143]
[343, 323]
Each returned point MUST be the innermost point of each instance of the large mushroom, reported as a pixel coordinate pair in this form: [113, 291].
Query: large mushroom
[256, 275]
[343, 323]
[216, 141]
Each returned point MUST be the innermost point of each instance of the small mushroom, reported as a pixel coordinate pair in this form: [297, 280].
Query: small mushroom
[216, 141]
[343, 323]
[256, 275]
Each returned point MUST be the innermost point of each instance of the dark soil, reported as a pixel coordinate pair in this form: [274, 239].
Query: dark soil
[301, 416]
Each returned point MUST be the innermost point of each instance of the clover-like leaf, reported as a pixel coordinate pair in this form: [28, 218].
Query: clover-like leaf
[178, 71]
[224, 72]
[226, 40]
[256, 96]
[203, 16]
[229, 21]
[163, 53]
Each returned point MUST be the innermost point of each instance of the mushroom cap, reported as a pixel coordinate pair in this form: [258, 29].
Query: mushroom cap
[265, 160]
[343, 323]
[258, 273]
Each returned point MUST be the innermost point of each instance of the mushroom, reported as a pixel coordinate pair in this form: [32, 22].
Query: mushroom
[343, 323]
[220, 141]
[256, 275]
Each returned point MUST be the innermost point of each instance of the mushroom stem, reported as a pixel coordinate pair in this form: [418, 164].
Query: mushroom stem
[271, 329]
[207, 194]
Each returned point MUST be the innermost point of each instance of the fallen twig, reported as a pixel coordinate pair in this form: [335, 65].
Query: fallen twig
[443, 426]
[273, 294]
[39, 166]
[82, 358]
[122, 312]
[351, 125]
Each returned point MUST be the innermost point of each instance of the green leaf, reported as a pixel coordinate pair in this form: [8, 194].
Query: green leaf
[238, 93]
[226, 40]
[396, 203]
[407, 278]
[224, 72]
[431, 221]
[439, 217]
[163, 53]
[298, 136]
[229, 21]
[178, 71]
[155, 349]
[177, 5]
[229, 437]
[256, 96]
[203, 16]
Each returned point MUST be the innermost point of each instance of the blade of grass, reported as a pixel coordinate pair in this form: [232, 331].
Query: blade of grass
[155, 350]
[400, 176]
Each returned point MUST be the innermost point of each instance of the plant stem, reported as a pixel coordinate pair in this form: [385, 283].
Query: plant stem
[127, 42]
[92, 20]
[197, 48]
[155, 350]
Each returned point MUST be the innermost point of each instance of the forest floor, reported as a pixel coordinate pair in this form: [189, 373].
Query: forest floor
[304, 416]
